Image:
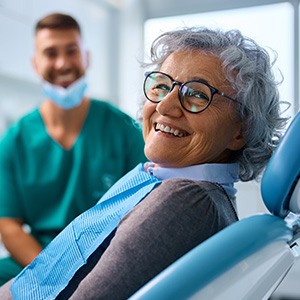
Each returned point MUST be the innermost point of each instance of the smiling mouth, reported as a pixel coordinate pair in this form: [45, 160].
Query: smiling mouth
[64, 79]
[169, 130]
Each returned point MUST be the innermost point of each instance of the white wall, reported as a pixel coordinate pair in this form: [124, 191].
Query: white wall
[130, 54]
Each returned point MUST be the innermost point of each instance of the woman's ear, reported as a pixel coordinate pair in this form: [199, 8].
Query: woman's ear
[238, 141]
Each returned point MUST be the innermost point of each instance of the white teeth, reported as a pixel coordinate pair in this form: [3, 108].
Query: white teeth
[168, 129]
[176, 132]
[65, 77]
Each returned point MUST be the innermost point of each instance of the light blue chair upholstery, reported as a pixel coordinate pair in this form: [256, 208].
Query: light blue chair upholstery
[248, 259]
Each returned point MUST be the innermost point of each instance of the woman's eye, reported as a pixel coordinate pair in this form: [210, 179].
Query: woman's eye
[200, 95]
[162, 87]
[197, 94]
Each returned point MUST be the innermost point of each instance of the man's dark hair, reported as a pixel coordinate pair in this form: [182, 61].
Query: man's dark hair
[57, 21]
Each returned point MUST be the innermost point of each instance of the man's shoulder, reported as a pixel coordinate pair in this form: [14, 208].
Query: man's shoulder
[107, 107]
[102, 104]
[30, 116]
[24, 123]
[108, 113]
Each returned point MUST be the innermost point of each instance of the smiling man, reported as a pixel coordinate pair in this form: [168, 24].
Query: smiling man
[58, 160]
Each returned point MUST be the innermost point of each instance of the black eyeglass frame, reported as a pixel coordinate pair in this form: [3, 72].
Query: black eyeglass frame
[213, 90]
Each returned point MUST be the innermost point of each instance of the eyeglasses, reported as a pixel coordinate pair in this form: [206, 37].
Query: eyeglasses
[194, 95]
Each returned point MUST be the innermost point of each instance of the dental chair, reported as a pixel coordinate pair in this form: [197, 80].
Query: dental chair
[248, 259]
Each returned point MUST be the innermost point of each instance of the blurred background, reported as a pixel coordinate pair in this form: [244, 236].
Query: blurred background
[118, 33]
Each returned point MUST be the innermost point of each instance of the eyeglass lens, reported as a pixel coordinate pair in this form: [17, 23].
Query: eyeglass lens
[194, 96]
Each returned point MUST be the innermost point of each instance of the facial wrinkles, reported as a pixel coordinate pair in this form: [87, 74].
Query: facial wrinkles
[173, 66]
[211, 72]
[200, 137]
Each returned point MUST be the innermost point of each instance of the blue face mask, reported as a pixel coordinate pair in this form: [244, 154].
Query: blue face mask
[65, 98]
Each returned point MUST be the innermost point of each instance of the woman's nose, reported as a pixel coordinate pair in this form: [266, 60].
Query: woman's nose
[170, 105]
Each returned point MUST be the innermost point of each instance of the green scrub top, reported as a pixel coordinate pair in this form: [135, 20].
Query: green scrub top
[48, 186]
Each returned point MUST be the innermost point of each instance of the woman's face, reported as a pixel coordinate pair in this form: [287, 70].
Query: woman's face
[207, 137]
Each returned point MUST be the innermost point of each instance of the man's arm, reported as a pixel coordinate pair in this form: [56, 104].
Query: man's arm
[21, 245]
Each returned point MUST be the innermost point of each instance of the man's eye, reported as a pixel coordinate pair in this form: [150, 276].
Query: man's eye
[50, 54]
[72, 51]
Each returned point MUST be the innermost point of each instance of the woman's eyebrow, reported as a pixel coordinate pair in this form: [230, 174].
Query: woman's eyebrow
[199, 78]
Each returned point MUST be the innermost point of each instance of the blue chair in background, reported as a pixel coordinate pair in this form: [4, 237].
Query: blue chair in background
[248, 259]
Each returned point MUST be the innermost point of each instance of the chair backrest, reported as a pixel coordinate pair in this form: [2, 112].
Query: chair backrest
[280, 183]
[248, 259]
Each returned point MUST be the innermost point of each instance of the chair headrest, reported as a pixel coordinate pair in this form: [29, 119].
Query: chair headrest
[280, 186]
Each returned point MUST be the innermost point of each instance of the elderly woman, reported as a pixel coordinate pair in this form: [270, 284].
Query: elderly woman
[210, 118]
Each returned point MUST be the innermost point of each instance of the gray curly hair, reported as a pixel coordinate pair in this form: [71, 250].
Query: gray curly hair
[248, 68]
